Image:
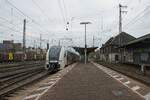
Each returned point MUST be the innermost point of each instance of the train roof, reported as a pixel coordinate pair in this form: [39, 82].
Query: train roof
[70, 49]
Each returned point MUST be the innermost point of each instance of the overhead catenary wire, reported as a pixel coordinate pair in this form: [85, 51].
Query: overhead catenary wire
[9, 28]
[116, 24]
[138, 17]
[17, 9]
[65, 10]
[14, 25]
[17, 31]
[64, 13]
[28, 17]
[42, 11]
[61, 10]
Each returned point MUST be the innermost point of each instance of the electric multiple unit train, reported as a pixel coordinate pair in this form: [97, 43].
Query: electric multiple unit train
[58, 57]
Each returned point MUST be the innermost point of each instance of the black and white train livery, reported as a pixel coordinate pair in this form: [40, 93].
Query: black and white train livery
[58, 57]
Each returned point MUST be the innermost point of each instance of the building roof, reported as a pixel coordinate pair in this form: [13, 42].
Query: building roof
[81, 49]
[120, 39]
[143, 38]
[109, 41]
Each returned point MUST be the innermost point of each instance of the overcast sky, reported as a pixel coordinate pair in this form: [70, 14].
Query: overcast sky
[50, 17]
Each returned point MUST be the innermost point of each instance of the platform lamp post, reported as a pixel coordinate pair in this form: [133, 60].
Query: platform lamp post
[85, 50]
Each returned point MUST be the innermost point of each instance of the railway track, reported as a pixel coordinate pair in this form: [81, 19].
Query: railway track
[11, 65]
[12, 78]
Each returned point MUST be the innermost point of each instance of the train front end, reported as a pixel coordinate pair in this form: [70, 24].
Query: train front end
[52, 58]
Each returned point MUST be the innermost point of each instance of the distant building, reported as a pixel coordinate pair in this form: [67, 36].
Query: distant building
[17, 47]
[110, 51]
[8, 41]
[10, 46]
[1, 47]
[10, 50]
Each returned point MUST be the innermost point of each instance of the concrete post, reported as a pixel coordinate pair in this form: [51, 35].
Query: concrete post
[143, 69]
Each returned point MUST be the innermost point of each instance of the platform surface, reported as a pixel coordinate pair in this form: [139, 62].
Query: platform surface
[87, 82]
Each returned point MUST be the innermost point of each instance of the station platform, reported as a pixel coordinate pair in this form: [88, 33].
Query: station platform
[88, 82]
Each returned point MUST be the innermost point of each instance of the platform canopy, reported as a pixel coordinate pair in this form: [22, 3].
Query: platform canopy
[81, 49]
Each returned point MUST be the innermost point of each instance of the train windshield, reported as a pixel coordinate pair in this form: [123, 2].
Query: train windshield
[54, 53]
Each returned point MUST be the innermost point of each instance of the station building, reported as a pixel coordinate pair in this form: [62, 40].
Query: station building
[125, 48]
[111, 51]
[139, 49]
